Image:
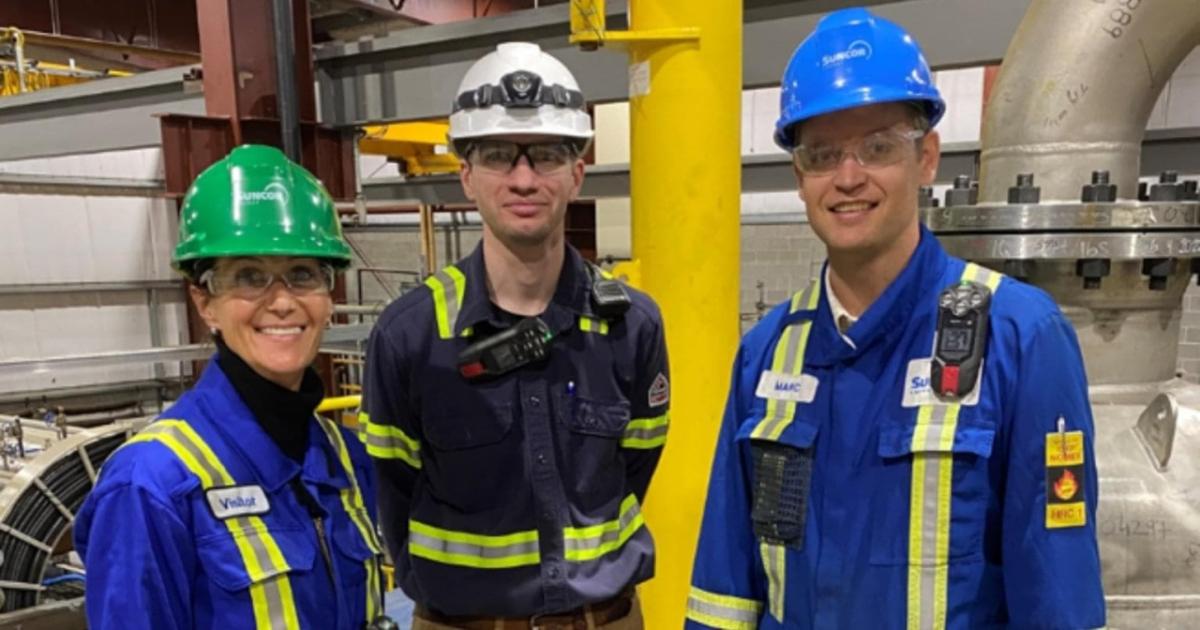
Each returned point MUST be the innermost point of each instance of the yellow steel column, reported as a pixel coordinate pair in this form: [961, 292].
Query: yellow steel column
[685, 121]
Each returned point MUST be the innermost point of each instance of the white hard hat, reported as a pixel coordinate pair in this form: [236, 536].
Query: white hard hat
[518, 89]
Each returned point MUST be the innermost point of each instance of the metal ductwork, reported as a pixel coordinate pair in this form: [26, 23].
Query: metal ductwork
[1076, 90]
[1059, 205]
[1058, 201]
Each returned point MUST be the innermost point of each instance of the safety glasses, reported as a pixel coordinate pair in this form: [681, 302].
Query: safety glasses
[250, 279]
[501, 156]
[882, 148]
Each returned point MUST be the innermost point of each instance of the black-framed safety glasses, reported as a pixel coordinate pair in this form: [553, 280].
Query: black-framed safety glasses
[502, 156]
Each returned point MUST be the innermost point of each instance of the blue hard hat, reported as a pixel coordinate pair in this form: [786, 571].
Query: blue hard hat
[853, 58]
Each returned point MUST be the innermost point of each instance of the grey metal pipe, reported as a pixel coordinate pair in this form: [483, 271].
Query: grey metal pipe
[285, 73]
[1076, 90]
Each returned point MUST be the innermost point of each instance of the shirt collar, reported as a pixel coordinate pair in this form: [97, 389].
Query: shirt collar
[839, 312]
[889, 315]
[571, 295]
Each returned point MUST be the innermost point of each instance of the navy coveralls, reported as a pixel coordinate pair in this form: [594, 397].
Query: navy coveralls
[519, 495]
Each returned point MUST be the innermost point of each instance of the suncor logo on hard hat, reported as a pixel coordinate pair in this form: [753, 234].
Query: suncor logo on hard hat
[858, 49]
[273, 192]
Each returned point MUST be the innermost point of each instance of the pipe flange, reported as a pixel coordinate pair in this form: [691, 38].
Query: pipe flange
[1060, 246]
[1121, 215]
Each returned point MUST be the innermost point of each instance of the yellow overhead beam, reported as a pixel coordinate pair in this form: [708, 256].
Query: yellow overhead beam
[414, 144]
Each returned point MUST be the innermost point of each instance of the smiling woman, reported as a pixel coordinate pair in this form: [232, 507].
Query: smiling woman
[240, 508]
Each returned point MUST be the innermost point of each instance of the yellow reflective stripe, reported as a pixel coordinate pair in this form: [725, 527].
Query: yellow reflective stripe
[582, 544]
[942, 530]
[439, 307]
[356, 509]
[588, 324]
[473, 550]
[352, 499]
[788, 358]
[460, 281]
[983, 275]
[646, 433]
[774, 558]
[725, 612]
[270, 589]
[448, 287]
[374, 606]
[385, 441]
[929, 515]
[930, 499]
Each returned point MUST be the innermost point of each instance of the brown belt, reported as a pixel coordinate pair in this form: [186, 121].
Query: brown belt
[601, 613]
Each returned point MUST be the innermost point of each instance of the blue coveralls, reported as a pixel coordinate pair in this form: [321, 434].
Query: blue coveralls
[915, 511]
[197, 523]
[517, 495]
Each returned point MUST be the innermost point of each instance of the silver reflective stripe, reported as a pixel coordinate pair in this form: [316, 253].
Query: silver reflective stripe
[450, 290]
[270, 588]
[240, 523]
[352, 502]
[775, 564]
[929, 510]
[983, 275]
[796, 337]
[581, 544]
[723, 611]
[482, 552]
[388, 442]
[646, 435]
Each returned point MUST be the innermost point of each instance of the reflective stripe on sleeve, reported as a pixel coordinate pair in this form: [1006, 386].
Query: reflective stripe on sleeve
[725, 612]
[385, 441]
[646, 433]
[588, 543]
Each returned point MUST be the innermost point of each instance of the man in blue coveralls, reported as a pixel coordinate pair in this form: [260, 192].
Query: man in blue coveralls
[855, 486]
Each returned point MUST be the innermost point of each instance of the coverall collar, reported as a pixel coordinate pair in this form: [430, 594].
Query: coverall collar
[886, 319]
[246, 437]
[570, 299]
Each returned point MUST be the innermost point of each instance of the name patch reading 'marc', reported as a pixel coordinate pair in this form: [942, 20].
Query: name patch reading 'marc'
[234, 501]
[801, 388]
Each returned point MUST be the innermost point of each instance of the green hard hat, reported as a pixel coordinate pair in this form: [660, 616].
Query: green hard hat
[257, 202]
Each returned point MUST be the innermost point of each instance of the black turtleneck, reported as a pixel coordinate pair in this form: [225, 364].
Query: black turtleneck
[282, 413]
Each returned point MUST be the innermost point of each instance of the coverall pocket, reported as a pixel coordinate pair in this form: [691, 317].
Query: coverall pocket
[782, 481]
[594, 443]
[946, 481]
[223, 557]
